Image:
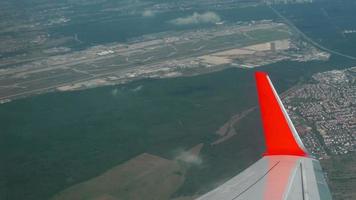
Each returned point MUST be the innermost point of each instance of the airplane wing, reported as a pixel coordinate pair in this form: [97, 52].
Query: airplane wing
[286, 170]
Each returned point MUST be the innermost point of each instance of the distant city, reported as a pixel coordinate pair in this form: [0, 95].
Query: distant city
[325, 112]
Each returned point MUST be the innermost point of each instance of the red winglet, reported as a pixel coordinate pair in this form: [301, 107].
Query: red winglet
[280, 134]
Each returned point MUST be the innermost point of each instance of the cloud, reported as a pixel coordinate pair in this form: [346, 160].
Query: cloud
[197, 18]
[138, 88]
[189, 158]
[148, 13]
[114, 92]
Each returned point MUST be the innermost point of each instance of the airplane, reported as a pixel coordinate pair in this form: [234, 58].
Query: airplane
[286, 170]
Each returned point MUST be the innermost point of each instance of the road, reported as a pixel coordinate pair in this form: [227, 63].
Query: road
[305, 37]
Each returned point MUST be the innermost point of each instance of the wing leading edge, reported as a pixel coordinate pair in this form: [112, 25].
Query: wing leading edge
[285, 171]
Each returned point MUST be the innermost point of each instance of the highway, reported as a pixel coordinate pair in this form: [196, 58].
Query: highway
[308, 39]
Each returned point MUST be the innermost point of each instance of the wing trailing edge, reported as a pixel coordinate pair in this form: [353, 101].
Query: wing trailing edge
[280, 135]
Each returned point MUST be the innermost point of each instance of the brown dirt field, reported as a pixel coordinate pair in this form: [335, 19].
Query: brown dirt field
[143, 177]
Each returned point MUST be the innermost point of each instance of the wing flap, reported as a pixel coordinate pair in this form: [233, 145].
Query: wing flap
[274, 178]
[243, 183]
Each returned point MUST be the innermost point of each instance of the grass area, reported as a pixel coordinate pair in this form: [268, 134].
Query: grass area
[266, 35]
